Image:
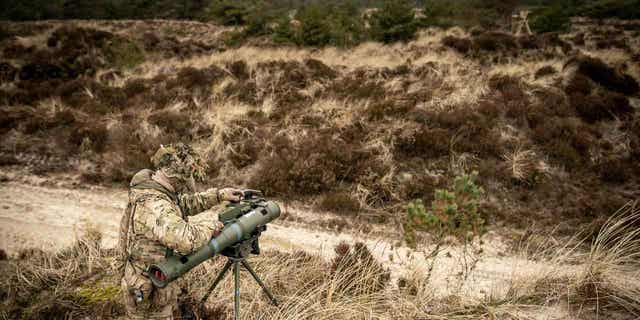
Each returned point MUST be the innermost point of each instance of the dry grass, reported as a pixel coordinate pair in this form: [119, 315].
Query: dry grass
[524, 165]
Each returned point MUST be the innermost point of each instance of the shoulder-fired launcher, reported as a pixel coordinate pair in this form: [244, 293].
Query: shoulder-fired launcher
[244, 221]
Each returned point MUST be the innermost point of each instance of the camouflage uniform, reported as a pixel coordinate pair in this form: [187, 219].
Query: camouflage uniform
[156, 223]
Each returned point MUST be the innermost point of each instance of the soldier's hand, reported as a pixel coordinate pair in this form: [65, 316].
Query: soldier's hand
[218, 228]
[230, 194]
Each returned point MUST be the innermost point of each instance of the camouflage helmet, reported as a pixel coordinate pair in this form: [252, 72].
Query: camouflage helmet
[179, 161]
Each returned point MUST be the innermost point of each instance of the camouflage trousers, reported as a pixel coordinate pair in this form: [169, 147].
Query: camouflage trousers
[142, 300]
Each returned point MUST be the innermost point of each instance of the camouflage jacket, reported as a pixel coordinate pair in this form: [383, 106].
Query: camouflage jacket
[156, 220]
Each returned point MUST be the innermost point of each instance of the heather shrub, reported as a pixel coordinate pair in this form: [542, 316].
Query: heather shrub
[425, 143]
[461, 45]
[173, 122]
[579, 84]
[310, 165]
[495, 41]
[566, 140]
[191, 78]
[90, 137]
[319, 70]
[603, 106]
[545, 71]
[359, 271]
[615, 170]
[339, 201]
[7, 72]
[601, 73]
[124, 53]
[386, 108]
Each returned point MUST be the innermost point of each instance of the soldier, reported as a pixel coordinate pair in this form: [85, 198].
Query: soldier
[163, 217]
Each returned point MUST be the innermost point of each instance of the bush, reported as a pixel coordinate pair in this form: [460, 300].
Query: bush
[360, 272]
[228, 12]
[314, 28]
[394, 22]
[339, 201]
[566, 140]
[453, 212]
[495, 41]
[545, 71]
[603, 106]
[92, 137]
[555, 18]
[124, 54]
[621, 9]
[461, 45]
[7, 72]
[173, 122]
[425, 143]
[579, 84]
[601, 73]
[311, 165]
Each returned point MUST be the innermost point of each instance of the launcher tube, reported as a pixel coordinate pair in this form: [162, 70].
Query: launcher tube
[175, 266]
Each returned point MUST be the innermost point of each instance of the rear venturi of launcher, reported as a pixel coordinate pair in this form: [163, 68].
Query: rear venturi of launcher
[242, 221]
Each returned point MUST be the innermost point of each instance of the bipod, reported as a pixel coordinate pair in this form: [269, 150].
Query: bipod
[236, 261]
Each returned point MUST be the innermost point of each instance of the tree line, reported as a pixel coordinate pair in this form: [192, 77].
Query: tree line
[328, 22]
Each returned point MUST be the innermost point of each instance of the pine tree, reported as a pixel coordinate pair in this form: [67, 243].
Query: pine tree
[394, 22]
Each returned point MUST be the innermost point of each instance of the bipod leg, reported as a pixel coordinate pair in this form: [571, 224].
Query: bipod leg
[236, 290]
[219, 278]
[264, 287]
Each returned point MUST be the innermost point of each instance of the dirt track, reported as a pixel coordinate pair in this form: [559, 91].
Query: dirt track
[51, 217]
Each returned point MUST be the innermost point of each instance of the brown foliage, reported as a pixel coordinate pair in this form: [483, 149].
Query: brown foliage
[356, 85]
[462, 45]
[191, 78]
[92, 135]
[566, 140]
[385, 108]
[7, 72]
[615, 170]
[339, 201]
[425, 143]
[608, 43]
[310, 164]
[173, 122]
[545, 71]
[238, 69]
[578, 39]
[511, 91]
[603, 106]
[606, 76]
[360, 272]
[495, 41]
[579, 84]
[319, 70]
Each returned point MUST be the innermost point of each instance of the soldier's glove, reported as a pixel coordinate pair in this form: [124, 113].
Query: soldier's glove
[218, 228]
[229, 194]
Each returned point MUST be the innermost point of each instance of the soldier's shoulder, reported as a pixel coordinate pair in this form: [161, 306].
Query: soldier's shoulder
[147, 195]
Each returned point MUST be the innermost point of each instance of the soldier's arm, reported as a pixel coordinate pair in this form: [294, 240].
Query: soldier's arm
[172, 231]
[194, 203]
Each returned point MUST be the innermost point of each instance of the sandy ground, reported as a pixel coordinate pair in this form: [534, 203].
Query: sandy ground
[51, 217]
